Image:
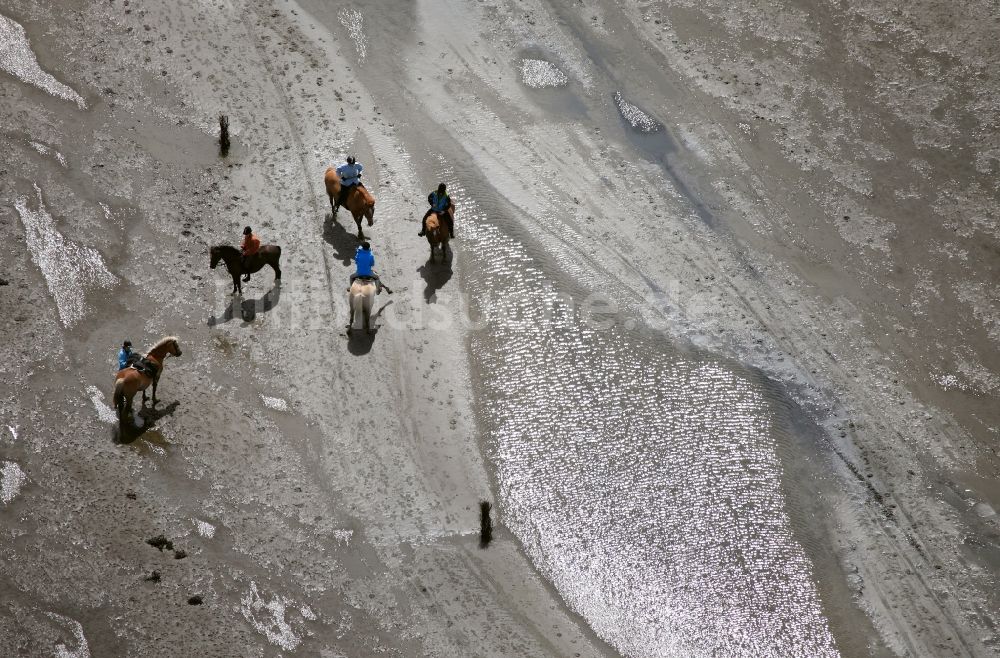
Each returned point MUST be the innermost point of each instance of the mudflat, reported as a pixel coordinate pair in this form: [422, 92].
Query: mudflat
[716, 337]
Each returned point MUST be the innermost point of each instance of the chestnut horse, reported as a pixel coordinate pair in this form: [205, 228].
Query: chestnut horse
[359, 201]
[268, 254]
[437, 234]
[130, 381]
[361, 300]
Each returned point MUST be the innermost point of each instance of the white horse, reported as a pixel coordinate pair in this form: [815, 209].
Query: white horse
[361, 299]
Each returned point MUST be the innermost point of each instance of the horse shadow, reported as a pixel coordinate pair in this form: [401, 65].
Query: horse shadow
[344, 242]
[249, 307]
[359, 341]
[435, 275]
[128, 432]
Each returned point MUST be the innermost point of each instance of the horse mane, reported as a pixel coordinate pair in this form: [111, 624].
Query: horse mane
[163, 341]
[225, 247]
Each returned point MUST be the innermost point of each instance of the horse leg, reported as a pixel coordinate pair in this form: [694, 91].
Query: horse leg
[361, 233]
[350, 323]
[156, 380]
[277, 271]
[368, 320]
[126, 410]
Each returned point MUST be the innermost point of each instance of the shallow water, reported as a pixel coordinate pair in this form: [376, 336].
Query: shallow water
[17, 58]
[70, 270]
[644, 482]
[538, 74]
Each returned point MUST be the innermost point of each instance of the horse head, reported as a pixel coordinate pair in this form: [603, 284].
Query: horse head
[176, 347]
[215, 253]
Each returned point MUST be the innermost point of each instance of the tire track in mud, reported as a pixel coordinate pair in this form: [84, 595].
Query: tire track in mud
[314, 447]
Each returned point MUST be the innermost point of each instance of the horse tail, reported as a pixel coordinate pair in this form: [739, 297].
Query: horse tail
[358, 307]
[119, 396]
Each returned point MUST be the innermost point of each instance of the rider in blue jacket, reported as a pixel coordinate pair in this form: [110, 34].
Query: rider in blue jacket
[364, 264]
[124, 354]
[350, 175]
[440, 203]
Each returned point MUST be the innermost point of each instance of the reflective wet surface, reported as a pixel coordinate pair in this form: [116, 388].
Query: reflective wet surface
[70, 270]
[18, 59]
[643, 481]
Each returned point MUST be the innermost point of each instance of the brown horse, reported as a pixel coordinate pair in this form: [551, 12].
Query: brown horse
[268, 254]
[359, 201]
[437, 234]
[130, 381]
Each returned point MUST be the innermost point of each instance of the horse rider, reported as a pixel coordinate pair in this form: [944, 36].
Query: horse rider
[248, 247]
[125, 354]
[350, 175]
[364, 262]
[440, 203]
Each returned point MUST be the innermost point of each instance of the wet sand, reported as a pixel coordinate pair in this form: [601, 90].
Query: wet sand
[776, 436]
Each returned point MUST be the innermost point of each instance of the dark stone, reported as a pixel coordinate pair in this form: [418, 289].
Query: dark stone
[195, 600]
[180, 554]
[154, 577]
[161, 542]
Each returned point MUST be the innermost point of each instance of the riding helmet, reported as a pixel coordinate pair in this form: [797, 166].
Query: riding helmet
[442, 187]
[350, 159]
[247, 231]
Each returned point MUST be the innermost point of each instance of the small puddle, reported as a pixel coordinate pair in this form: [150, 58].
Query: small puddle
[18, 59]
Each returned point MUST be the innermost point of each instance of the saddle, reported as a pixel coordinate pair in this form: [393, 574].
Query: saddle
[143, 365]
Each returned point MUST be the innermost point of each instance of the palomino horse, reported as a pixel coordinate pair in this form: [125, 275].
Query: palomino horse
[130, 381]
[361, 300]
[268, 254]
[437, 234]
[359, 201]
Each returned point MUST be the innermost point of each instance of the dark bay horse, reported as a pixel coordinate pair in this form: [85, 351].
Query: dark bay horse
[359, 200]
[268, 254]
[130, 381]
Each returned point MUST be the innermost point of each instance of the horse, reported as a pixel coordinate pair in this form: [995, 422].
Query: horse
[361, 300]
[437, 234]
[130, 381]
[359, 200]
[268, 254]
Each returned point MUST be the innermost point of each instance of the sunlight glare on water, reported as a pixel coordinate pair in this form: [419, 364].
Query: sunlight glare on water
[17, 58]
[644, 483]
[68, 268]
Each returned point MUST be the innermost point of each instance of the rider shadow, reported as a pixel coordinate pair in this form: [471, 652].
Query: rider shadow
[359, 341]
[435, 275]
[249, 307]
[129, 432]
[343, 241]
